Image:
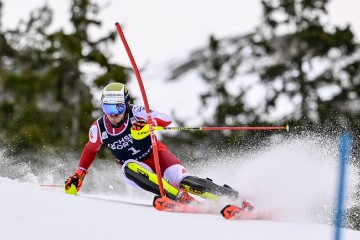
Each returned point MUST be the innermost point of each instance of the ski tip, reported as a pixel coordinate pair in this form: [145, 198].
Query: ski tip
[72, 190]
[229, 211]
[159, 202]
[232, 212]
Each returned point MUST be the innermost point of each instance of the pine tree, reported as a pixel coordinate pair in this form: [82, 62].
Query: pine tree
[295, 59]
[304, 58]
[46, 89]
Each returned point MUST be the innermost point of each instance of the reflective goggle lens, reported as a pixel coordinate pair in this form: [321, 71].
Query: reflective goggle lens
[114, 108]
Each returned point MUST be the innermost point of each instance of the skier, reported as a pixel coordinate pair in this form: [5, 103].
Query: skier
[114, 128]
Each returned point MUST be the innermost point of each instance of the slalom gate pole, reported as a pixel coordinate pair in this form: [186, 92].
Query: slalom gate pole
[345, 153]
[147, 108]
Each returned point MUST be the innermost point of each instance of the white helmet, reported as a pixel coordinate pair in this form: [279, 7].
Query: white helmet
[115, 93]
[115, 98]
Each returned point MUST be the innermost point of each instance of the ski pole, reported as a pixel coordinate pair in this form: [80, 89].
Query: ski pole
[286, 128]
[51, 185]
[145, 131]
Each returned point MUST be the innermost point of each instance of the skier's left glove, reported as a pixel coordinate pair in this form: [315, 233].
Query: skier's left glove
[138, 125]
[140, 129]
[76, 179]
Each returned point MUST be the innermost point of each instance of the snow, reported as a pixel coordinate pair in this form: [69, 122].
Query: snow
[32, 212]
[295, 178]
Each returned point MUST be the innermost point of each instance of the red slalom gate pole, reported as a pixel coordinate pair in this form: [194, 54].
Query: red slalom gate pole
[147, 108]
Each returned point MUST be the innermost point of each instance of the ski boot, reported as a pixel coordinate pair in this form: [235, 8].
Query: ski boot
[205, 188]
[184, 197]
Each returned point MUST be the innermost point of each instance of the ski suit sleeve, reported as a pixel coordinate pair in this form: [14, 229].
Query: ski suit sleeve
[160, 119]
[91, 148]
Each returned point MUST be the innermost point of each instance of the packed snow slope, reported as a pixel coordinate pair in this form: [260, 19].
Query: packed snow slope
[28, 212]
[296, 181]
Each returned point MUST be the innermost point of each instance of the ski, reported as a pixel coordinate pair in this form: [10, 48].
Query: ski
[232, 212]
[162, 203]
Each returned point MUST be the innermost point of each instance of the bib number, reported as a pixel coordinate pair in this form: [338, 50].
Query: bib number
[133, 151]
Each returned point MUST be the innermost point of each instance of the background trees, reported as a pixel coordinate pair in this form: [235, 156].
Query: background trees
[294, 68]
[45, 83]
[301, 69]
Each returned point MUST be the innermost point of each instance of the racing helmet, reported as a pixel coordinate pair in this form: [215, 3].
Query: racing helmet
[115, 98]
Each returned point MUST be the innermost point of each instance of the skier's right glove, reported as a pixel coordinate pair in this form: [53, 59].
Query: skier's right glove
[76, 179]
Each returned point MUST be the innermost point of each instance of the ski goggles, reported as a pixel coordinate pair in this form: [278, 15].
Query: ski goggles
[115, 109]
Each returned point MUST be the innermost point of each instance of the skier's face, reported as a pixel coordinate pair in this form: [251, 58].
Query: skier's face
[114, 112]
[115, 119]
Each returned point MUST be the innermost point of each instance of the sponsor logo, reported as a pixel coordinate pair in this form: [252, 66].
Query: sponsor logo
[141, 109]
[122, 143]
[142, 172]
[104, 135]
[192, 190]
[112, 97]
[93, 132]
[132, 120]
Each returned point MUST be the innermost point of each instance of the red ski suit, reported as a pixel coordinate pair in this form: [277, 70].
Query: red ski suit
[123, 145]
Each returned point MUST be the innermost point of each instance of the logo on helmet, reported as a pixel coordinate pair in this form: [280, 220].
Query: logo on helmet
[115, 93]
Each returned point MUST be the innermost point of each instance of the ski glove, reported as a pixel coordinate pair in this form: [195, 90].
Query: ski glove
[140, 129]
[138, 125]
[76, 179]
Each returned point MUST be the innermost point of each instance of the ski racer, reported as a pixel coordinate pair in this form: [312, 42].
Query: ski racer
[113, 130]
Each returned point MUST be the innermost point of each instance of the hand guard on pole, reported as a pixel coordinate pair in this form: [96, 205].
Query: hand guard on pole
[138, 125]
[76, 179]
[141, 129]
